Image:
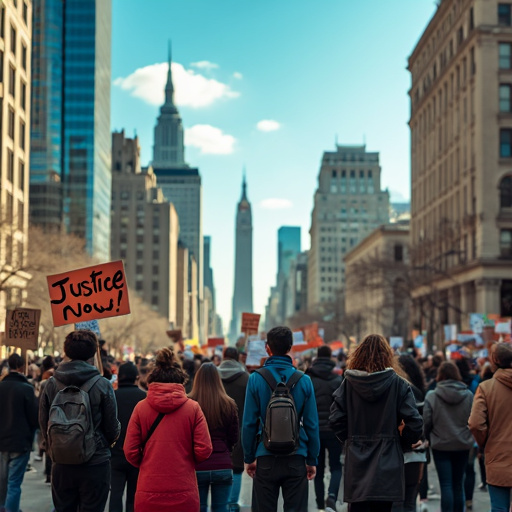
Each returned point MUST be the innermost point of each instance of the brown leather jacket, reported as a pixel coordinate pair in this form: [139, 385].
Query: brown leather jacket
[491, 425]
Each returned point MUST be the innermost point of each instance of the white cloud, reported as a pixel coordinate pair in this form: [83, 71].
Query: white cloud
[210, 140]
[276, 203]
[268, 125]
[238, 75]
[204, 64]
[191, 88]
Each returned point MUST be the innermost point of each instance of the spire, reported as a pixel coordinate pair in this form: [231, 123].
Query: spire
[244, 186]
[169, 87]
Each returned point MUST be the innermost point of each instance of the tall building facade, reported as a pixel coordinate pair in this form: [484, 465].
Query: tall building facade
[70, 177]
[288, 246]
[242, 294]
[461, 160]
[180, 183]
[144, 230]
[348, 205]
[15, 80]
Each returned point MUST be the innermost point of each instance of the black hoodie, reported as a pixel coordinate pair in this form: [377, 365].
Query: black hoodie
[103, 405]
[325, 382]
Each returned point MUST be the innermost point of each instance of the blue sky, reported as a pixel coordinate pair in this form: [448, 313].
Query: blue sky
[268, 85]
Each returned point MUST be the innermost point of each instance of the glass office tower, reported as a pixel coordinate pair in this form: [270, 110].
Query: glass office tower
[82, 134]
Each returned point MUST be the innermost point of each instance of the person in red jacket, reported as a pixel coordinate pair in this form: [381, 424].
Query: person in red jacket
[221, 414]
[167, 460]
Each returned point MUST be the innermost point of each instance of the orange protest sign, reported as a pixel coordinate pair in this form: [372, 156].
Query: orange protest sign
[89, 293]
[250, 323]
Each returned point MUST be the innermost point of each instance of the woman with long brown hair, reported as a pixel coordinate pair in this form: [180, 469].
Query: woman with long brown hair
[167, 436]
[374, 414]
[221, 415]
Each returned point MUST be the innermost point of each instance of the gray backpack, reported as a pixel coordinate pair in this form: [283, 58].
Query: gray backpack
[71, 436]
[282, 423]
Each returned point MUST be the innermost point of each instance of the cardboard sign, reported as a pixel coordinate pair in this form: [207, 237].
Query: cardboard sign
[256, 352]
[396, 342]
[22, 328]
[89, 293]
[250, 323]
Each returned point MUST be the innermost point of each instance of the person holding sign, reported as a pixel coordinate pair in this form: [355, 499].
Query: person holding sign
[78, 394]
[18, 412]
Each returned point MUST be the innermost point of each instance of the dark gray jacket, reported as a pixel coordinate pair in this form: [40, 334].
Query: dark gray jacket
[103, 405]
[446, 413]
[367, 411]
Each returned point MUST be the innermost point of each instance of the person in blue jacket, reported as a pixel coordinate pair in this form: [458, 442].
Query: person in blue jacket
[272, 473]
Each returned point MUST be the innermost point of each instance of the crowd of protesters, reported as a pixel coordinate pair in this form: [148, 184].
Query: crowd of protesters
[177, 430]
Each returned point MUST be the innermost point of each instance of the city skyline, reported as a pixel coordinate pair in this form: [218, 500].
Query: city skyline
[274, 102]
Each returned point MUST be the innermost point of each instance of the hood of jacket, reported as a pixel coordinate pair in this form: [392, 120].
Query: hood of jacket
[322, 368]
[504, 376]
[230, 370]
[451, 391]
[166, 397]
[370, 386]
[75, 373]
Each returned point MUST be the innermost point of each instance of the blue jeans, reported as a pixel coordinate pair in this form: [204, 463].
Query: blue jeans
[451, 468]
[221, 481]
[12, 471]
[500, 498]
[235, 492]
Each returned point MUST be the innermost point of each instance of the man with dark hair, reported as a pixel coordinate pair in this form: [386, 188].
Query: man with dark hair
[234, 378]
[326, 382]
[128, 395]
[271, 473]
[18, 412]
[83, 486]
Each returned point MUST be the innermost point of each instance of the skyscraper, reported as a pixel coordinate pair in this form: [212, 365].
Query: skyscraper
[349, 204]
[288, 246]
[71, 175]
[242, 295]
[180, 183]
[15, 43]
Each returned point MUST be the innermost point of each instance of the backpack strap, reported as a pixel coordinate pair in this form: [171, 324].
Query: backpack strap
[294, 378]
[269, 378]
[155, 424]
[87, 386]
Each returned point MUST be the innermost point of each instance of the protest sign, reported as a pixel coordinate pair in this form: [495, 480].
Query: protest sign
[89, 293]
[256, 352]
[22, 328]
[250, 323]
[298, 338]
[396, 342]
[91, 325]
[450, 332]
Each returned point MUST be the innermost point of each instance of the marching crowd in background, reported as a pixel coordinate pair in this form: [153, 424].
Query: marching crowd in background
[176, 431]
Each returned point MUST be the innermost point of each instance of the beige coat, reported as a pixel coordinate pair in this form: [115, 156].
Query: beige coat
[491, 425]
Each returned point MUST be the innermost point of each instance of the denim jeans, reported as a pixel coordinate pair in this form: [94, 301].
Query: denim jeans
[235, 492]
[451, 468]
[221, 481]
[333, 447]
[12, 472]
[500, 498]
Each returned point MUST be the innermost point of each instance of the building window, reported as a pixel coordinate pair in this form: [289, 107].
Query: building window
[506, 143]
[2, 21]
[139, 286]
[25, 13]
[506, 192]
[10, 123]
[1, 66]
[399, 252]
[12, 81]
[471, 19]
[13, 40]
[504, 12]
[21, 215]
[22, 135]
[23, 95]
[10, 165]
[505, 104]
[21, 175]
[24, 56]
[505, 50]
[506, 243]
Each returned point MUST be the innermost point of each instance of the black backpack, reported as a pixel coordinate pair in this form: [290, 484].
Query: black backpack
[71, 435]
[282, 423]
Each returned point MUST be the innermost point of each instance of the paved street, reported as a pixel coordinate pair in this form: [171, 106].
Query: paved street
[36, 495]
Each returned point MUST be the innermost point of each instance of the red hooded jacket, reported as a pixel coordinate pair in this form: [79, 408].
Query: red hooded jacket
[167, 478]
